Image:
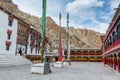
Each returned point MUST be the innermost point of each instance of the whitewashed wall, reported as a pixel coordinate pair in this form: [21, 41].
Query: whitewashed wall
[3, 34]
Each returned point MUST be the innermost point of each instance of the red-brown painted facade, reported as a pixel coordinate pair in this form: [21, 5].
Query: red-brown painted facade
[111, 43]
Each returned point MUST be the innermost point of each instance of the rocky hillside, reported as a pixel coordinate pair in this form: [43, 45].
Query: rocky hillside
[79, 38]
[89, 38]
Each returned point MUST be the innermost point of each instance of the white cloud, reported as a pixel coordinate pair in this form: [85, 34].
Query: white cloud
[80, 11]
[98, 26]
[105, 17]
[34, 7]
[54, 7]
[83, 10]
[31, 7]
[94, 24]
[114, 4]
[78, 5]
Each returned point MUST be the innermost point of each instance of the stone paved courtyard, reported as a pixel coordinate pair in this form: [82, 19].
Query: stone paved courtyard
[77, 71]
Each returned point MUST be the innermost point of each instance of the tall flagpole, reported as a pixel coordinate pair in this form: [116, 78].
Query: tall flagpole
[68, 57]
[60, 44]
[43, 29]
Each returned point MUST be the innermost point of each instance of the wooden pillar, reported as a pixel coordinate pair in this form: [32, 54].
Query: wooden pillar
[111, 61]
[119, 65]
[103, 60]
[106, 60]
[115, 61]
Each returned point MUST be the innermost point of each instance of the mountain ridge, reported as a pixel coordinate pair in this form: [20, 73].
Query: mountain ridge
[79, 38]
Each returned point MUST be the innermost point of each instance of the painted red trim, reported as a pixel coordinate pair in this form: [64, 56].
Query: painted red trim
[8, 43]
[9, 32]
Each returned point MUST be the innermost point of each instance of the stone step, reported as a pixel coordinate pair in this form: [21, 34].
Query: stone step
[5, 65]
[18, 59]
[12, 60]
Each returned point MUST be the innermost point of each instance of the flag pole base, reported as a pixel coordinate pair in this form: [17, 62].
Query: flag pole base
[58, 64]
[68, 61]
[41, 68]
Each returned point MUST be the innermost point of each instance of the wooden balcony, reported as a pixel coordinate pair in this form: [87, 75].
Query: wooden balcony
[22, 42]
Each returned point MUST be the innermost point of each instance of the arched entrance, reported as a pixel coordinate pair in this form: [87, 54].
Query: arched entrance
[111, 60]
[20, 52]
[105, 60]
[119, 62]
[115, 61]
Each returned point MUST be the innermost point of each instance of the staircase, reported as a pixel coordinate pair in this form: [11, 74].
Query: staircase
[12, 60]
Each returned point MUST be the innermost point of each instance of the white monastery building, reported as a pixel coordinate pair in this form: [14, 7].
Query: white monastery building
[18, 37]
[8, 33]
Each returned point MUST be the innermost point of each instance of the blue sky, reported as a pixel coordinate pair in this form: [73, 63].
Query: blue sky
[88, 14]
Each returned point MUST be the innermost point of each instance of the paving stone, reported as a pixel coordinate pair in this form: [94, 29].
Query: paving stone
[77, 71]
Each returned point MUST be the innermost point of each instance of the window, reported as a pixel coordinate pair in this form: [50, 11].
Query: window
[8, 43]
[31, 49]
[9, 37]
[36, 50]
[32, 39]
[9, 32]
[114, 37]
[10, 23]
[110, 40]
[7, 47]
[10, 20]
[107, 43]
[118, 32]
